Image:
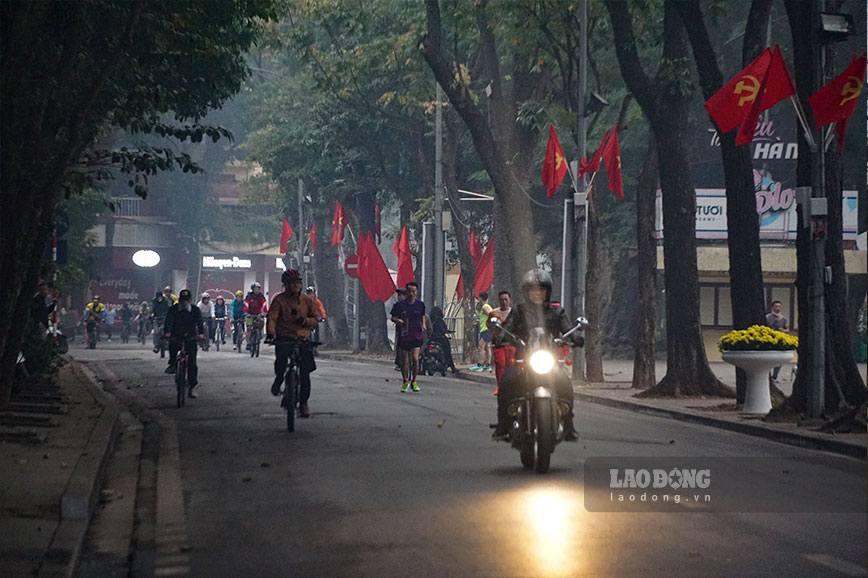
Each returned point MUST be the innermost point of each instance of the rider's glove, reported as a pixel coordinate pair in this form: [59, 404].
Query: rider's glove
[269, 338]
[299, 320]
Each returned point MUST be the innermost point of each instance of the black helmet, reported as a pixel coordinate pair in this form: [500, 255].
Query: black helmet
[537, 277]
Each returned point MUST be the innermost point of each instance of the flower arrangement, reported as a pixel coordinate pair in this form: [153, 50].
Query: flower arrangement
[757, 338]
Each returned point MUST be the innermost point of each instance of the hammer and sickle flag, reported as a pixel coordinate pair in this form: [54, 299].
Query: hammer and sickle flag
[775, 87]
[554, 165]
[836, 101]
[730, 105]
[339, 223]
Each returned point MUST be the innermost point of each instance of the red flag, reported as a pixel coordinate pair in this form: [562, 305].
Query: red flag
[313, 238]
[554, 165]
[339, 222]
[836, 101]
[730, 105]
[485, 269]
[285, 235]
[593, 165]
[373, 272]
[776, 86]
[612, 156]
[377, 228]
[475, 247]
[405, 258]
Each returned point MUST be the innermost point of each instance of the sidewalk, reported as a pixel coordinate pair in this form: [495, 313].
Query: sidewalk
[709, 411]
[54, 444]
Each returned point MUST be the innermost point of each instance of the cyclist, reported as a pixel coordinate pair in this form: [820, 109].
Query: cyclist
[236, 313]
[126, 316]
[207, 309]
[94, 313]
[254, 304]
[167, 292]
[184, 328]
[159, 309]
[142, 318]
[220, 318]
[292, 316]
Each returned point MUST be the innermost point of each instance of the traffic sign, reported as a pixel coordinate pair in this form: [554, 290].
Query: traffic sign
[351, 266]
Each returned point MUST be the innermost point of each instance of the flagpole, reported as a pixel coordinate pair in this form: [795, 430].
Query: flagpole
[800, 114]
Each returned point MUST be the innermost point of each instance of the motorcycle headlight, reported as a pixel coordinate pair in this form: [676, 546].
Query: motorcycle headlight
[542, 361]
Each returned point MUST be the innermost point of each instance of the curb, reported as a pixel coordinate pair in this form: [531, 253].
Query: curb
[788, 438]
[79, 500]
[793, 439]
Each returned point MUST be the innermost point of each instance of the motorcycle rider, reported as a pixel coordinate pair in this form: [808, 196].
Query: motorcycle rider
[236, 315]
[440, 335]
[184, 328]
[254, 304]
[536, 311]
[292, 316]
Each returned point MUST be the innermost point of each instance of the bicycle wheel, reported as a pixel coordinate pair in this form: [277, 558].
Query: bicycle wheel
[181, 381]
[290, 397]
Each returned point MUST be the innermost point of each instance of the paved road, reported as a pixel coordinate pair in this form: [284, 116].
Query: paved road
[378, 483]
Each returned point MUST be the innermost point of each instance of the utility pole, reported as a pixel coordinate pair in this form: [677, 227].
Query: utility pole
[439, 249]
[300, 232]
[580, 197]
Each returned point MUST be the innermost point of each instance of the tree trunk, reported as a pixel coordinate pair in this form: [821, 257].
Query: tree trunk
[330, 289]
[665, 101]
[460, 224]
[515, 247]
[844, 383]
[644, 374]
[745, 263]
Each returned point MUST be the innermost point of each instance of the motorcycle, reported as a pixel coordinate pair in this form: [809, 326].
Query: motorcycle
[433, 359]
[537, 415]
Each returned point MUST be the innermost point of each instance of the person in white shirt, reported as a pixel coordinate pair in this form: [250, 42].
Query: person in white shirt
[207, 309]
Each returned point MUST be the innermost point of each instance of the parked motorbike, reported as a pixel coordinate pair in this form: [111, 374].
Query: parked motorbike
[55, 336]
[433, 359]
[537, 414]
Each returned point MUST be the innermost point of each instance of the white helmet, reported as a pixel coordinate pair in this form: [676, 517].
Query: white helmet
[206, 294]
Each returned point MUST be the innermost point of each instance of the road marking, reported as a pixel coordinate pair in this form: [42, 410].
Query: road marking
[841, 566]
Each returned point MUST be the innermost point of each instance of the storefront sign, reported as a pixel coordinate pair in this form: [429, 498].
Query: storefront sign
[775, 205]
[223, 263]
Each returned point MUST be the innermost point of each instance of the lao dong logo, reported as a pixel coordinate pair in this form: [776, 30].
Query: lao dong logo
[629, 478]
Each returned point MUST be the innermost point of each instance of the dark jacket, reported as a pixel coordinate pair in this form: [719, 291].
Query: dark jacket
[40, 309]
[181, 323]
[524, 318]
[160, 308]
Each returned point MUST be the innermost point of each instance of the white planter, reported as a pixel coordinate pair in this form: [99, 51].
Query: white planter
[757, 365]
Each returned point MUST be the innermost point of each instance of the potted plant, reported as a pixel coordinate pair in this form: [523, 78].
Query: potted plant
[757, 350]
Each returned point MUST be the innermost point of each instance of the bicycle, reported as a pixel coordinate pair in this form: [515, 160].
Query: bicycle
[220, 333]
[159, 343]
[125, 332]
[292, 381]
[91, 334]
[209, 330]
[181, 372]
[238, 334]
[255, 335]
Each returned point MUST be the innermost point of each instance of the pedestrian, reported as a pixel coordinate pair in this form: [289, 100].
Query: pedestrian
[110, 315]
[440, 335]
[777, 321]
[399, 295]
[41, 306]
[483, 309]
[409, 319]
[503, 351]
